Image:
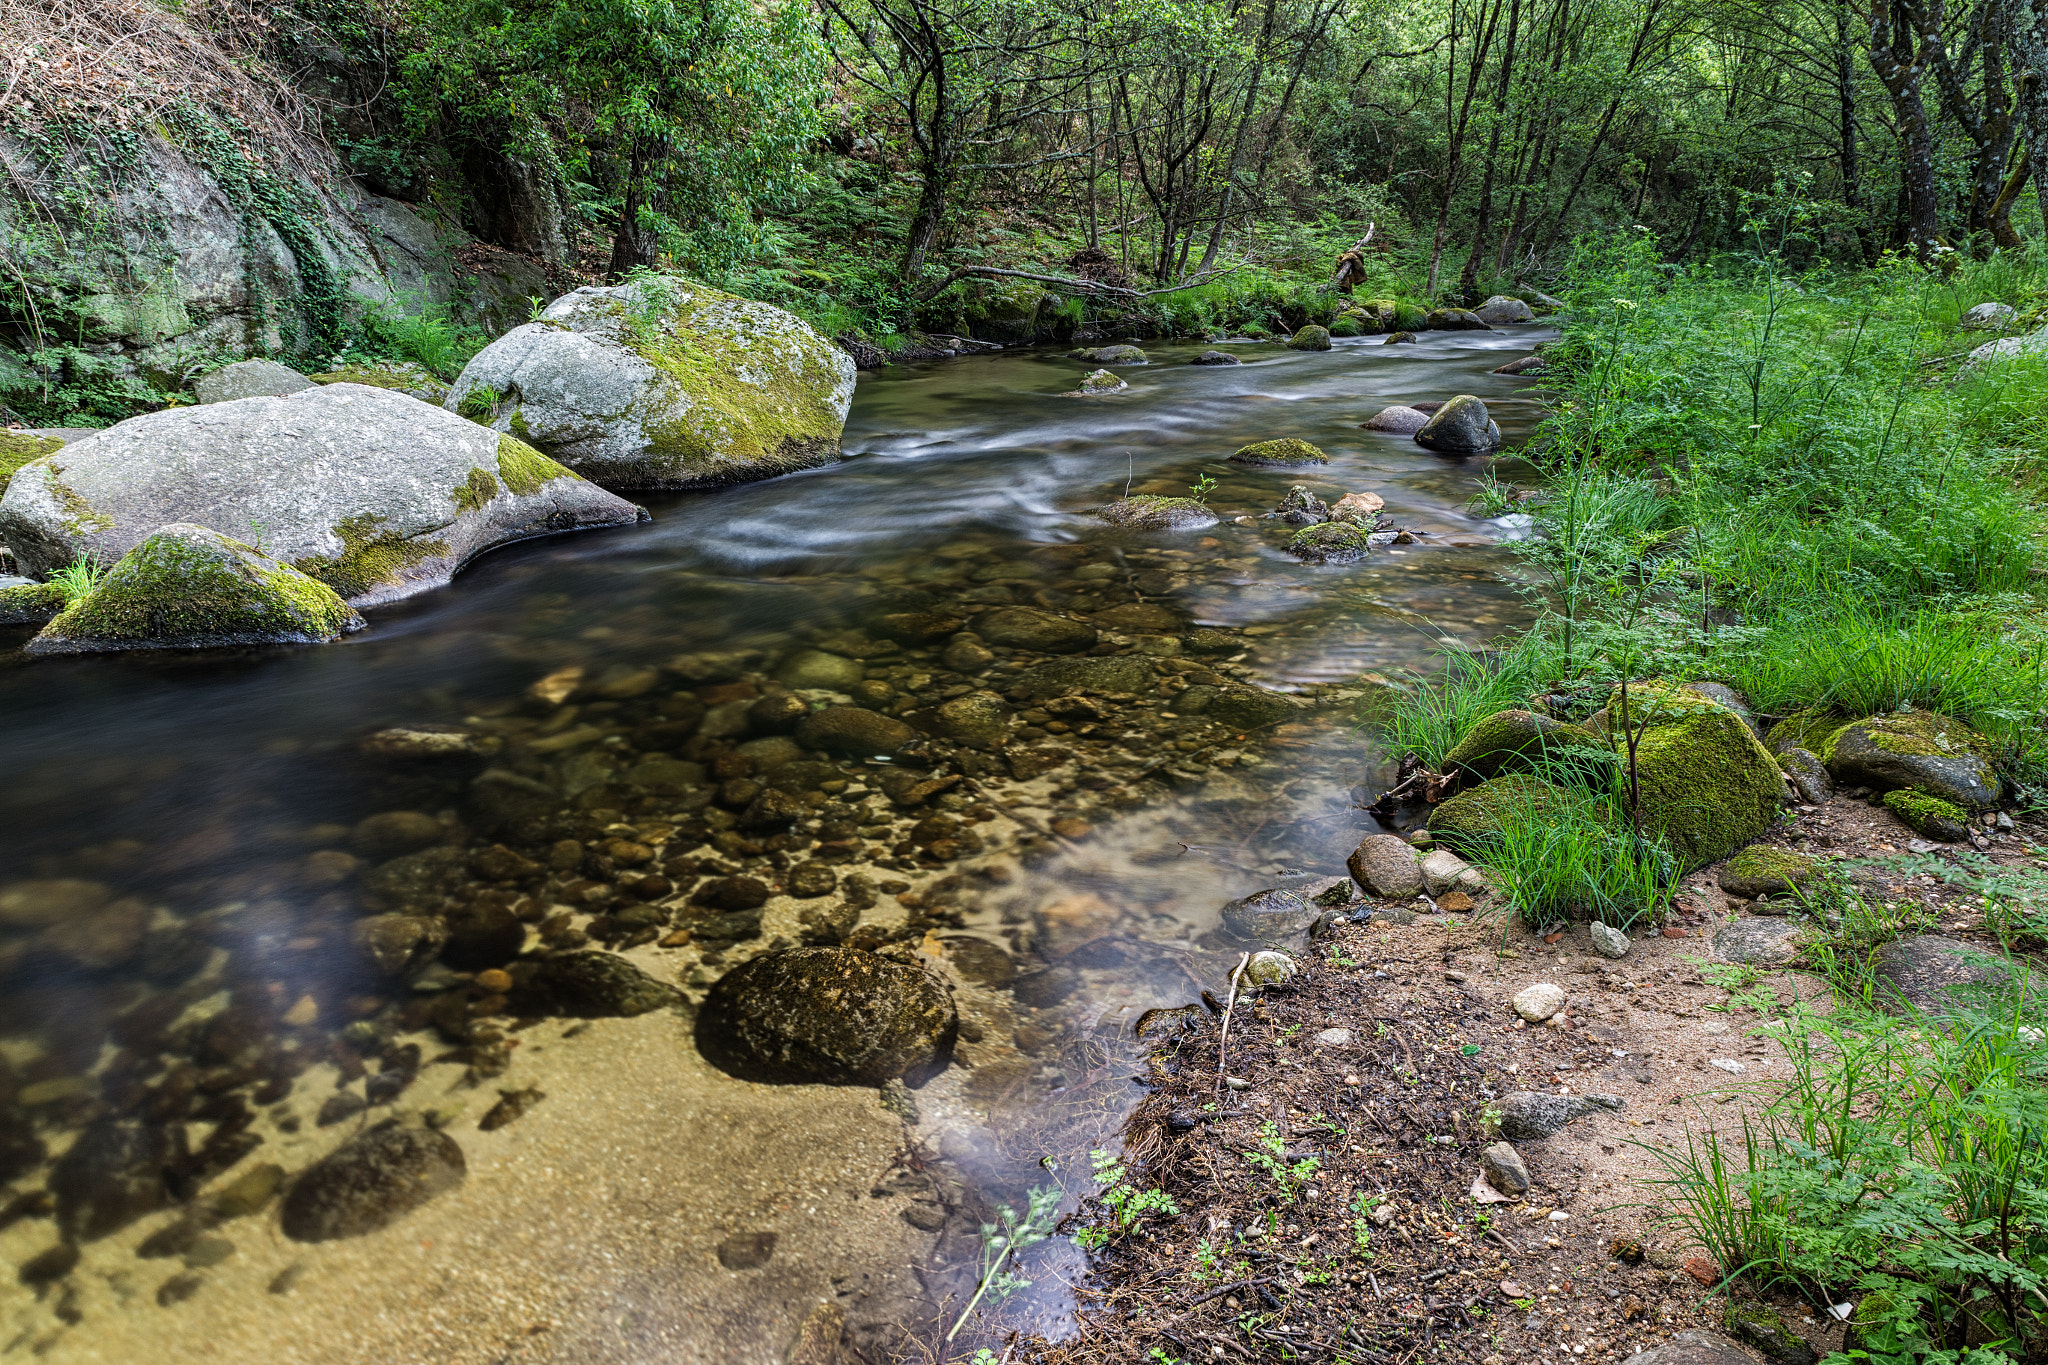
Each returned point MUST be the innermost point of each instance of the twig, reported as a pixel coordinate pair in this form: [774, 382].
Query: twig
[1223, 1043]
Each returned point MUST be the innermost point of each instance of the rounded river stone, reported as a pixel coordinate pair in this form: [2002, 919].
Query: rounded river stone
[831, 1016]
[369, 1181]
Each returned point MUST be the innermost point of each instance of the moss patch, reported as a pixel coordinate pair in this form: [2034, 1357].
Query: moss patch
[1509, 741]
[371, 557]
[31, 605]
[476, 493]
[1288, 450]
[1151, 512]
[185, 587]
[1707, 786]
[525, 470]
[1919, 733]
[1929, 815]
[1658, 703]
[17, 448]
[81, 518]
[1765, 869]
[1330, 542]
[1807, 728]
[1472, 818]
[1310, 338]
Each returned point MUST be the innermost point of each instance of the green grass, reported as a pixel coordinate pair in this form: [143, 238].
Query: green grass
[80, 578]
[1573, 856]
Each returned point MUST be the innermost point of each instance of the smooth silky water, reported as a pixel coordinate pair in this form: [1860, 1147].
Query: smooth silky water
[194, 960]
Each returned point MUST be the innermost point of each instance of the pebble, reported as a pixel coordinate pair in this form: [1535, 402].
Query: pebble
[1334, 1037]
[1539, 1002]
[1732, 1067]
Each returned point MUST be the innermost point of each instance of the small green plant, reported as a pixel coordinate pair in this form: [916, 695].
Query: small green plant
[1494, 498]
[1362, 1205]
[1125, 1203]
[79, 579]
[1001, 1240]
[1199, 489]
[1271, 1157]
[480, 404]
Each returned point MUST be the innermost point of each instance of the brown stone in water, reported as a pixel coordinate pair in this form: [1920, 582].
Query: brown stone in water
[369, 1181]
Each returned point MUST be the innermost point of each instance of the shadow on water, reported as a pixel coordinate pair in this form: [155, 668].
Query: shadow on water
[185, 871]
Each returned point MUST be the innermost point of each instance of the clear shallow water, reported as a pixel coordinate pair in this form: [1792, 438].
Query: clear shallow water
[188, 795]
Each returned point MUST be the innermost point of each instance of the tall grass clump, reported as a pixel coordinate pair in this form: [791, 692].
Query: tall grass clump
[1567, 853]
[1902, 1170]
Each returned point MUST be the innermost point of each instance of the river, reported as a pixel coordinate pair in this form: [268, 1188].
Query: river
[184, 860]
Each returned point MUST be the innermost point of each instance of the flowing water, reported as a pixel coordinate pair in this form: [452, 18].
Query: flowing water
[186, 1009]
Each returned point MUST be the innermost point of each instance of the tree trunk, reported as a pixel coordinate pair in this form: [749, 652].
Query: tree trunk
[1482, 227]
[1850, 164]
[2026, 29]
[634, 244]
[1900, 68]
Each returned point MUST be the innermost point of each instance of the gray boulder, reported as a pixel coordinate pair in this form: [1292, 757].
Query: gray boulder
[1399, 420]
[1111, 355]
[831, 1016]
[1530, 1114]
[190, 587]
[664, 383]
[1528, 364]
[249, 379]
[1927, 971]
[1215, 358]
[1808, 776]
[1460, 427]
[2005, 348]
[400, 376]
[1501, 309]
[1692, 1347]
[1988, 317]
[1386, 865]
[1758, 942]
[1455, 320]
[375, 494]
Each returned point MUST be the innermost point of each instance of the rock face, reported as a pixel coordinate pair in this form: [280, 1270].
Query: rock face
[1920, 750]
[1692, 1347]
[1385, 864]
[371, 492]
[1707, 785]
[1500, 310]
[1460, 427]
[249, 379]
[188, 587]
[1513, 741]
[1400, 421]
[1927, 972]
[664, 383]
[830, 1016]
[1766, 870]
[369, 1181]
[1529, 1114]
[1150, 513]
[1287, 451]
[1310, 338]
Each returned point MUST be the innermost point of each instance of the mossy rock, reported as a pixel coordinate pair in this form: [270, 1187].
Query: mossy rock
[1807, 728]
[1455, 320]
[1919, 750]
[1098, 382]
[1346, 326]
[190, 587]
[17, 448]
[1330, 542]
[1005, 311]
[400, 376]
[1310, 338]
[1404, 337]
[1706, 785]
[1766, 870]
[1514, 741]
[1149, 512]
[1929, 816]
[31, 605]
[665, 382]
[1119, 354]
[1283, 453]
[1658, 703]
[1470, 821]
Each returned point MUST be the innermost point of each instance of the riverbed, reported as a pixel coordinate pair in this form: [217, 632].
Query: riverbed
[195, 977]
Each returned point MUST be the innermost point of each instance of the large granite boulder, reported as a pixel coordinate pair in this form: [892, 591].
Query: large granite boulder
[1460, 427]
[664, 383]
[375, 494]
[190, 587]
[1501, 309]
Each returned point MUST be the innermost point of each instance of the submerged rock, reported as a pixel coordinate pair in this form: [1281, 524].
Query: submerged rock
[595, 985]
[1150, 513]
[1038, 631]
[112, 1175]
[1460, 427]
[1277, 918]
[1054, 677]
[370, 1181]
[664, 383]
[1215, 358]
[832, 1016]
[372, 493]
[189, 587]
[854, 730]
[1281, 453]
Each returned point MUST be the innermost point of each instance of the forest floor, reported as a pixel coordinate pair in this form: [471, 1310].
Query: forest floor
[1325, 1157]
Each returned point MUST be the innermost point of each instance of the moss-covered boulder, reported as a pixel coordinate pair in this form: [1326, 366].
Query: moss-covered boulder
[1310, 338]
[1404, 337]
[1283, 453]
[1097, 382]
[1501, 310]
[1470, 820]
[1119, 354]
[400, 376]
[1456, 320]
[1766, 870]
[31, 604]
[664, 383]
[1808, 728]
[1332, 542]
[1005, 311]
[1919, 750]
[1515, 741]
[830, 1016]
[17, 448]
[1461, 426]
[1706, 785]
[373, 493]
[190, 587]
[1147, 512]
[1929, 816]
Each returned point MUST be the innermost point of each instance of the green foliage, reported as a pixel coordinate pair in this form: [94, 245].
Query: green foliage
[1362, 1205]
[422, 333]
[1124, 1203]
[79, 578]
[1012, 1232]
[1270, 1158]
[1903, 1168]
[1573, 855]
